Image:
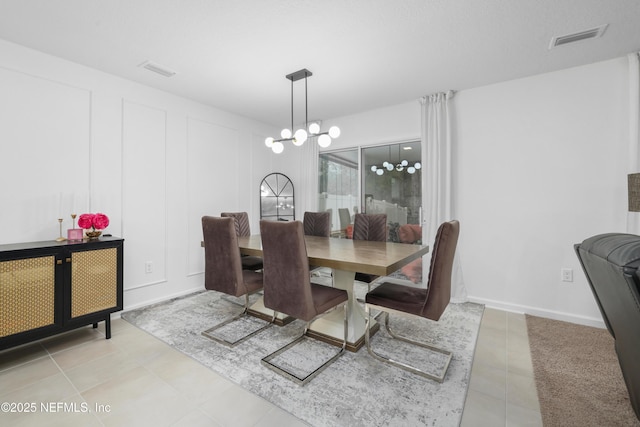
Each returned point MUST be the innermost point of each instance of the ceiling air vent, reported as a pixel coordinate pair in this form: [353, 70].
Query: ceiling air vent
[582, 35]
[156, 68]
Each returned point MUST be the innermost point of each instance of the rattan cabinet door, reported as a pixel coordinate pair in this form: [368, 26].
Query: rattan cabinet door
[94, 281]
[27, 294]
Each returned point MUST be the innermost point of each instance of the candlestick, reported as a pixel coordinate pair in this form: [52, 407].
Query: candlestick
[73, 218]
[60, 239]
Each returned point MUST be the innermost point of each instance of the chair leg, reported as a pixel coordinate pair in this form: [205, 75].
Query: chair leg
[439, 377]
[267, 360]
[209, 333]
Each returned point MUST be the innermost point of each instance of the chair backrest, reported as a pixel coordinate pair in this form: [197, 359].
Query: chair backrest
[611, 262]
[287, 286]
[371, 227]
[317, 224]
[345, 217]
[241, 222]
[223, 268]
[440, 269]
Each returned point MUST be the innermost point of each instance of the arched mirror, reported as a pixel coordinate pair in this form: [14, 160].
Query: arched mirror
[277, 198]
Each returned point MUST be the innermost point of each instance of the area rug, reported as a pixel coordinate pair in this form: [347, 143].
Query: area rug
[577, 375]
[356, 390]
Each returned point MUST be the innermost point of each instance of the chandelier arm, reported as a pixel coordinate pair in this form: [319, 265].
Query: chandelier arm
[283, 140]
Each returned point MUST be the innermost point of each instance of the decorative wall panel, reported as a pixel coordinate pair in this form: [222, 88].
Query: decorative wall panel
[45, 127]
[214, 166]
[144, 193]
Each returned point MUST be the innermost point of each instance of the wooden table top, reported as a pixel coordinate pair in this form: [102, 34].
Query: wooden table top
[379, 258]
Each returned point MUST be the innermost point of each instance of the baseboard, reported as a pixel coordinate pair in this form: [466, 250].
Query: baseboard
[534, 311]
[163, 298]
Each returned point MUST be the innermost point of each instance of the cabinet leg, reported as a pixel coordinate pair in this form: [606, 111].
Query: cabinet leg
[95, 325]
[107, 326]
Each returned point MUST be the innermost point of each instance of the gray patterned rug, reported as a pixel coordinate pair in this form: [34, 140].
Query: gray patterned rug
[356, 390]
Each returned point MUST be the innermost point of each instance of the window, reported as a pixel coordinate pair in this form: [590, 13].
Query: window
[338, 185]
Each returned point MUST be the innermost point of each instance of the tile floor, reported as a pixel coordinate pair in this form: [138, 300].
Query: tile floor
[133, 379]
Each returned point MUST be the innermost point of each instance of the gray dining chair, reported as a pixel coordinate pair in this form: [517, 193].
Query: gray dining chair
[429, 302]
[243, 228]
[223, 272]
[288, 290]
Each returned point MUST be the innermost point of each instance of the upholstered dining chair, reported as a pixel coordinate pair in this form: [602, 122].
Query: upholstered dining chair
[223, 271]
[317, 224]
[372, 227]
[242, 227]
[288, 289]
[429, 303]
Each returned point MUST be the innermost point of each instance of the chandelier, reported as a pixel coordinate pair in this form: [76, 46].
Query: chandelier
[312, 129]
[402, 165]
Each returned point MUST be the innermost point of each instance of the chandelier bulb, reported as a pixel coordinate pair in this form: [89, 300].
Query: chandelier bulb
[380, 171]
[277, 147]
[299, 137]
[334, 131]
[374, 168]
[324, 140]
[285, 133]
[411, 169]
[389, 167]
[404, 163]
[314, 128]
[417, 165]
[268, 142]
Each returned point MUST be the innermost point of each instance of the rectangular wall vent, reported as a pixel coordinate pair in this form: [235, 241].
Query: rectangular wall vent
[582, 35]
[156, 68]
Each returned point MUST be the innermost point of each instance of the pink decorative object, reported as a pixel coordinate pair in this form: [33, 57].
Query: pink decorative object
[85, 221]
[100, 221]
[97, 221]
[74, 234]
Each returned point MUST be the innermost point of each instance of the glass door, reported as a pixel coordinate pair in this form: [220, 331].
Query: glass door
[392, 184]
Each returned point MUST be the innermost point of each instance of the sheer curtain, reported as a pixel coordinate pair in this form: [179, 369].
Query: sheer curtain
[309, 174]
[436, 179]
[633, 218]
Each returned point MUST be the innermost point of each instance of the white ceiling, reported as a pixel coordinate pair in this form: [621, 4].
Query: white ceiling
[364, 54]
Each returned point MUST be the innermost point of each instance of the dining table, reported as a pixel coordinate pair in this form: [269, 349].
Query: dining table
[345, 257]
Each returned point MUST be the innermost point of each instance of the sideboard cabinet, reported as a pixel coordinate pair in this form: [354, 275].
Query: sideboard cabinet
[51, 287]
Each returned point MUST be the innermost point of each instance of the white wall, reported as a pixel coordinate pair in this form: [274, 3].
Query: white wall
[153, 162]
[540, 164]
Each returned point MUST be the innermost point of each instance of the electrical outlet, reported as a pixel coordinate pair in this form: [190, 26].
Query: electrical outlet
[566, 274]
[148, 267]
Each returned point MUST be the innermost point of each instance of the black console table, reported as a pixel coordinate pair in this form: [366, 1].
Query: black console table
[51, 287]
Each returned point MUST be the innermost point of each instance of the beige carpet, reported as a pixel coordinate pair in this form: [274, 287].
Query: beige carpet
[577, 375]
